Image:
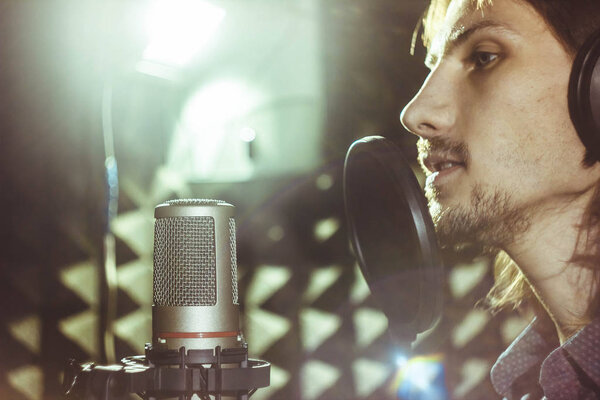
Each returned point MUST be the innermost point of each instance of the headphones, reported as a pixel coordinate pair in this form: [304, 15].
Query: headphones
[584, 94]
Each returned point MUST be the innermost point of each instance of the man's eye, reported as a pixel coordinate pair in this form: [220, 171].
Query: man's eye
[482, 59]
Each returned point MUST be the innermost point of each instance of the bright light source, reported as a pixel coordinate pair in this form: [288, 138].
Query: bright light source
[420, 378]
[207, 115]
[247, 134]
[219, 103]
[421, 374]
[401, 360]
[206, 145]
[178, 29]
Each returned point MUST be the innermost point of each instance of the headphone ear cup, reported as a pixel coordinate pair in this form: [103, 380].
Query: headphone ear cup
[584, 94]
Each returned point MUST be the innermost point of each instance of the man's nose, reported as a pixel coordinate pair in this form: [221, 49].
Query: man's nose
[432, 111]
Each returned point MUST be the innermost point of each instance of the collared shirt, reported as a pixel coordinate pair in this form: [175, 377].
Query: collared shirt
[535, 367]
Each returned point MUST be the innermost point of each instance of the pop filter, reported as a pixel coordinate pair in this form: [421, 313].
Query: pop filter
[392, 236]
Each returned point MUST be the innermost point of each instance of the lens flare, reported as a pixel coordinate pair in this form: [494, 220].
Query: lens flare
[420, 378]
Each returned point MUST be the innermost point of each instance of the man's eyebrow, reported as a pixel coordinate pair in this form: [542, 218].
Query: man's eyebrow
[461, 35]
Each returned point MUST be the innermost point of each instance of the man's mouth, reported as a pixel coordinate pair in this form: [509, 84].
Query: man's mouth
[439, 162]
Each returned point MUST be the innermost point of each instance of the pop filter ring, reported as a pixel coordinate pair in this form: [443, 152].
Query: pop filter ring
[391, 161]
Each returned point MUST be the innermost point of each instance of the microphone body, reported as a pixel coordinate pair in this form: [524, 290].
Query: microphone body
[195, 294]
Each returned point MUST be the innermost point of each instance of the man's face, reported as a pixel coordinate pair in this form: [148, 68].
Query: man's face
[496, 139]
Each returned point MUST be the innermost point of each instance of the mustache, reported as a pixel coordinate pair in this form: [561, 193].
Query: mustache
[456, 149]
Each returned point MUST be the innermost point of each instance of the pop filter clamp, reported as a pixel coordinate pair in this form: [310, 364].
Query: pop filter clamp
[392, 236]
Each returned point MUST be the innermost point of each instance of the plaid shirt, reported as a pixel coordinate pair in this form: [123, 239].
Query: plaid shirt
[534, 366]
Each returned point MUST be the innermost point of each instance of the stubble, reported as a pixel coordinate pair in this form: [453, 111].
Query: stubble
[491, 220]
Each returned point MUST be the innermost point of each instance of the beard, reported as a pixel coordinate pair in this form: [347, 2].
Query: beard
[491, 220]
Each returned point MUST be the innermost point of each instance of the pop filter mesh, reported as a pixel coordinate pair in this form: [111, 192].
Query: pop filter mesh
[387, 237]
[393, 236]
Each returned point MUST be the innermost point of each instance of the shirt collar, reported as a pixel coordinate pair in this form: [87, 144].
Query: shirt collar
[577, 360]
[527, 351]
[535, 355]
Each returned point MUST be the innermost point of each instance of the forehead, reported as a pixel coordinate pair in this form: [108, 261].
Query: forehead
[514, 16]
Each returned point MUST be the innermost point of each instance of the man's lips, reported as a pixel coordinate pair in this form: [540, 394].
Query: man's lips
[439, 162]
[444, 172]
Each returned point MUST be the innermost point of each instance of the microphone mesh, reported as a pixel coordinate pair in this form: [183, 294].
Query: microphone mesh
[185, 262]
[195, 202]
[234, 279]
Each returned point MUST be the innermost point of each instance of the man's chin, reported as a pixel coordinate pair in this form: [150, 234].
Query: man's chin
[453, 228]
[488, 221]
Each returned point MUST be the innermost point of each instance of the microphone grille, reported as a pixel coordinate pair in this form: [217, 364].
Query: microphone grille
[234, 279]
[185, 260]
[196, 202]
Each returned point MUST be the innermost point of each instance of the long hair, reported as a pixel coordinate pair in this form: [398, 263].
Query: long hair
[571, 22]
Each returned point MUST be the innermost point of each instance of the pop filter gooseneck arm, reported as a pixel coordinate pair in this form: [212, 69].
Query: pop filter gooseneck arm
[393, 237]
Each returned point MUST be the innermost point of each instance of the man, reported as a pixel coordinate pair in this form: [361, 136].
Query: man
[506, 169]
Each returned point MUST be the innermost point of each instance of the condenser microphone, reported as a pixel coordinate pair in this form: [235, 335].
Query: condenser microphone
[195, 293]
[197, 349]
